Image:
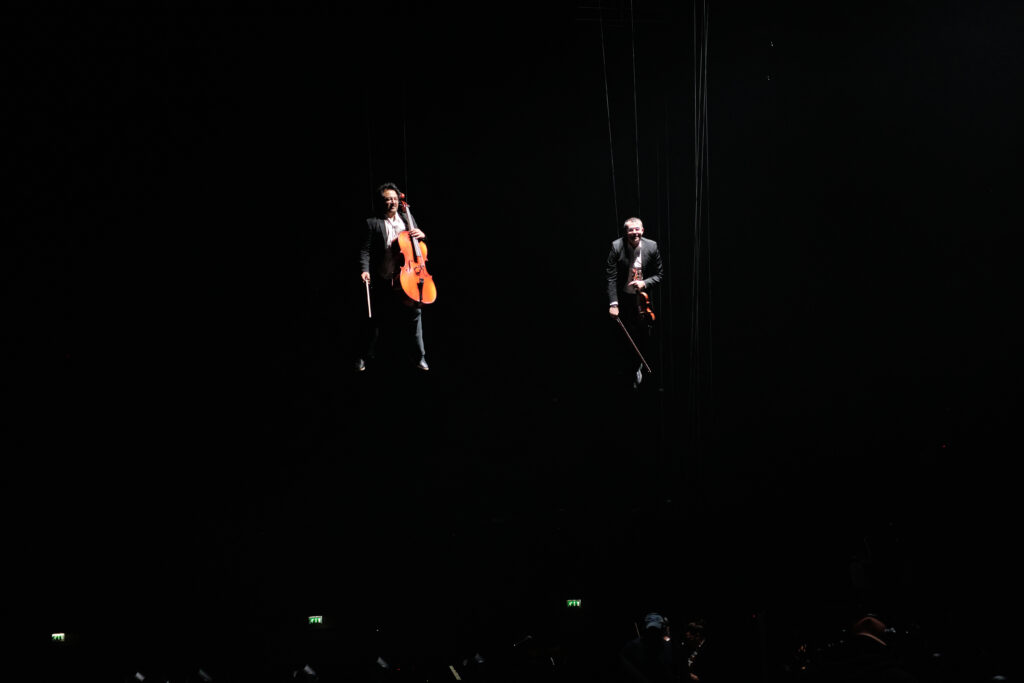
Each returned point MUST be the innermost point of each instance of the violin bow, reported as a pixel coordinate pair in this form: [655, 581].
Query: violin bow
[635, 348]
[369, 311]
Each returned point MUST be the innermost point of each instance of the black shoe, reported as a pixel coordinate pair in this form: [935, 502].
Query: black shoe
[360, 365]
[422, 365]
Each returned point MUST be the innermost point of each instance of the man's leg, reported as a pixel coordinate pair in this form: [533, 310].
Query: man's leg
[413, 332]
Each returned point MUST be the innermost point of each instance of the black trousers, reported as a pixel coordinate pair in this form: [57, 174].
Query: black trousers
[396, 328]
[640, 331]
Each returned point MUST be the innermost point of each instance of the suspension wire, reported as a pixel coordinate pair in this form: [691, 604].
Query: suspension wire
[700, 72]
[701, 280]
[706, 192]
[667, 235]
[369, 150]
[608, 111]
[666, 298]
[405, 137]
[636, 120]
[696, 212]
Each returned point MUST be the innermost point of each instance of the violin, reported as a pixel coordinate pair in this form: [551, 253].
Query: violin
[417, 283]
[643, 300]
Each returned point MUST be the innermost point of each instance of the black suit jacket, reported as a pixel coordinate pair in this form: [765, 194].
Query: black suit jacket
[620, 265]
[374, 252]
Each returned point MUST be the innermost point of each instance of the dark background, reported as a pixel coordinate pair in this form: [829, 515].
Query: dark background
[193, 468]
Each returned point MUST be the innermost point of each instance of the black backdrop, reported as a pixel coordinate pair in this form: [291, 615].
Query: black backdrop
[188, 442]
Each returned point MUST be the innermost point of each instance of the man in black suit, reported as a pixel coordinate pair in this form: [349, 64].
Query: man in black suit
[380, 261]
[633, 268]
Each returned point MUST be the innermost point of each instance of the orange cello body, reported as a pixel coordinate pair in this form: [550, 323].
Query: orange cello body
[417, 283]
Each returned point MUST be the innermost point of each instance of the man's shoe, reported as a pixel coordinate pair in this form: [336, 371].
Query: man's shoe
[422, 365]
[360, 365]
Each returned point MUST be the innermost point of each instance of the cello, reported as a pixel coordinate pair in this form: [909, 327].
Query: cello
[416, 282]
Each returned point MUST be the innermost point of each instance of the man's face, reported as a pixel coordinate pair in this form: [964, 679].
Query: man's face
[633, 233]
[390, 199]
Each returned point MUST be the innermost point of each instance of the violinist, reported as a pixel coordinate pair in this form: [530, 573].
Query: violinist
[633, 268]
[390, 312]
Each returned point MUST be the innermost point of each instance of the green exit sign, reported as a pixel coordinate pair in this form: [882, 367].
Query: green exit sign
[574, 603]
[316, 620]
[58, 637]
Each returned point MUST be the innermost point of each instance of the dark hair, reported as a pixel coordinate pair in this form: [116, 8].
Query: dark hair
[388, 186]
[379, 199]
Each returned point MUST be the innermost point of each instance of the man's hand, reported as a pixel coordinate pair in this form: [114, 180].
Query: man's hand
[638, 284]
[418, 234]
[365, 276]
[613, 311]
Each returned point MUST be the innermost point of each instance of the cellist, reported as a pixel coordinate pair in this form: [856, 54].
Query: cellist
[633, 267]
[389, 311]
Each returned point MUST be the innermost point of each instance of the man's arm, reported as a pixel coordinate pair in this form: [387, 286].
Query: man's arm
[611, 269]
[612, 274]
[655, 266]
[411, 225]
[364, 252]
